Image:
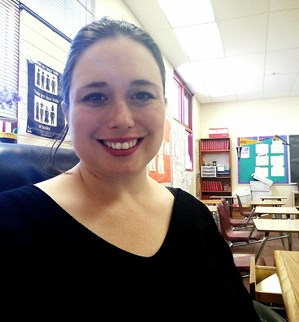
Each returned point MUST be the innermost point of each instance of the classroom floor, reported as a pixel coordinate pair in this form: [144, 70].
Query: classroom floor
[269, 248]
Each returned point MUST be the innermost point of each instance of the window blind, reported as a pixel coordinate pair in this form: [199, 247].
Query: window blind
[65, 15]
[9, 55]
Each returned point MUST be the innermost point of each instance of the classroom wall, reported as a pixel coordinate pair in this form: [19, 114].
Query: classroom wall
[252, 118]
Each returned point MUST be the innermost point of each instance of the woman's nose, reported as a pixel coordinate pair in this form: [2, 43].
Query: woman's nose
[121, 116]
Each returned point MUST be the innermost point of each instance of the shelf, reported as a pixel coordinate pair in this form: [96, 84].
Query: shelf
[214, 154]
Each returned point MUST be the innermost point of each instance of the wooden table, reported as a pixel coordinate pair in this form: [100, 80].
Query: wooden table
[279, 198]
[287, 264]
[287, 226]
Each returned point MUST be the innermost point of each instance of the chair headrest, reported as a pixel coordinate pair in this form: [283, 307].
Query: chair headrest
[22, 164]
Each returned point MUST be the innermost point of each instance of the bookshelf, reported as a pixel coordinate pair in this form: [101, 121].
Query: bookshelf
[215, 167]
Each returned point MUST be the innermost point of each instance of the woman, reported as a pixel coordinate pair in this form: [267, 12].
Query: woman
[143, 237]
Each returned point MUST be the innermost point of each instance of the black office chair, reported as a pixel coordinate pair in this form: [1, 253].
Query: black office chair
[266, 314]
[22, 164]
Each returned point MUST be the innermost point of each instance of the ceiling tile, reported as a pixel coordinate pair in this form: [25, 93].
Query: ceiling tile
[244, 36]
[286, 62]
[231, 9]
[283, 30]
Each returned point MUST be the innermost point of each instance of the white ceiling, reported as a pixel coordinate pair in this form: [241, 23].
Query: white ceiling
[260, 37]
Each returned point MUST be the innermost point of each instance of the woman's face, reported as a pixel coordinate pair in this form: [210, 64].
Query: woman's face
[117, 110]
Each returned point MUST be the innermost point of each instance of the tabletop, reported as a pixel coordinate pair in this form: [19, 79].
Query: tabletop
[211, 201]
[276, 210]
[212, 208]
[269, 203]
[224, 197]
[277, 197]
[287, 264]
[276, 225]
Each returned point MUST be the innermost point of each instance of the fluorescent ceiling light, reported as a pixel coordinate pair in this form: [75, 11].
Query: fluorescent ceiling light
[181, 13]
[201, 41]
[194, 24]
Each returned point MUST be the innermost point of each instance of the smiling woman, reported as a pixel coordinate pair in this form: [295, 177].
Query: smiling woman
[143, 246]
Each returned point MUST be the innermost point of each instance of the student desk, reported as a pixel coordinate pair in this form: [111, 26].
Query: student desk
[276, 211]
[275, 225]
[279, 198]
[267, 203]
[230, 200]
[211, 202]
[212, 208]
[287, 264]
[214, 212]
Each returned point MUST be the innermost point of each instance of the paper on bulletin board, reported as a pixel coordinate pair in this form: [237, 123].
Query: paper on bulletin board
[262, 160]
[245, 153]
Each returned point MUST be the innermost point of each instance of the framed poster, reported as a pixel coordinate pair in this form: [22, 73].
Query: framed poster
[44, 115]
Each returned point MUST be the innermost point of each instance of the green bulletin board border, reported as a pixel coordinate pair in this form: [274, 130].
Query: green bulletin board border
[246, 166]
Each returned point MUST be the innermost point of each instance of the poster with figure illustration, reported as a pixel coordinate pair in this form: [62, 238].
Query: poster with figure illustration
[44, 117]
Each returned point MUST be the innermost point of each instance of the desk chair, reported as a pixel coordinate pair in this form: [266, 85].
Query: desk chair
[236, 237]
[267, 314]
[246, 214]
[242, 262]
[263, 290]
[237, 224]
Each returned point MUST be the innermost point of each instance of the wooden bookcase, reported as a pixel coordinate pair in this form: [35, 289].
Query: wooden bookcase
[214, 167]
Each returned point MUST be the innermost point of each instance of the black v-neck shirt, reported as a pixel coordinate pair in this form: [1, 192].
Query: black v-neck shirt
[193, 272]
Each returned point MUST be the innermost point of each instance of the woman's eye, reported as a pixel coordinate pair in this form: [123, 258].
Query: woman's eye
[94, 98]
[142, 96]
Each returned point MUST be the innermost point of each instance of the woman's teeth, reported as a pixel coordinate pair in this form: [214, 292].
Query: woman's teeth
[121, 146]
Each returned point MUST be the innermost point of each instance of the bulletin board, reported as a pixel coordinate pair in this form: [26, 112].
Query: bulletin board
[266, 156]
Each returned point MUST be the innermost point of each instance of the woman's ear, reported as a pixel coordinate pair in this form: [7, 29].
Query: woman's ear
[65, 111]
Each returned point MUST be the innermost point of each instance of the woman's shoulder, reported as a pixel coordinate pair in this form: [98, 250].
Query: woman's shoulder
[19, 192]
[181, 193]
[21, 198]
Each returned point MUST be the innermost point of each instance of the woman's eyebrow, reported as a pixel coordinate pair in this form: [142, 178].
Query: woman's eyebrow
[143, 82]
[96, 84]
[137, 82]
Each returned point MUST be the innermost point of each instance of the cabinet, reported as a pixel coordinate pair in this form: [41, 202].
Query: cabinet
[215, 168]
[295, 199]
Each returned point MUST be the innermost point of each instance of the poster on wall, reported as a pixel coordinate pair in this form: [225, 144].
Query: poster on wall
[181, 178]
[160, 168]
[45, 117]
